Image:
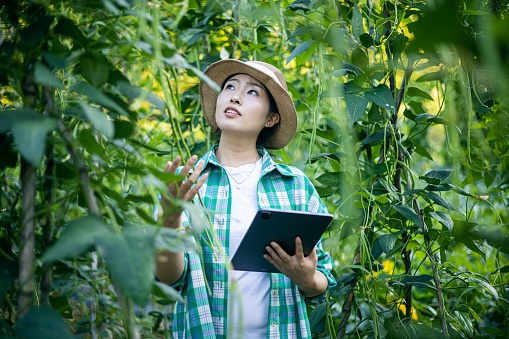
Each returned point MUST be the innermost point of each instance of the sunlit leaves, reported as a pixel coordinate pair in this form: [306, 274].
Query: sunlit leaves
[382, 96]
[301, 48]
[444, 218]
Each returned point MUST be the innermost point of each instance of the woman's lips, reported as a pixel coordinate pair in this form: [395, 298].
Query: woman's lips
[231, 112]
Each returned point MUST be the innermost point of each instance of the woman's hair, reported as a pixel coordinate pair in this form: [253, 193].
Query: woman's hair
[266, 132]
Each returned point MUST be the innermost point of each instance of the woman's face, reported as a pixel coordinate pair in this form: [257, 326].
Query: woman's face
[242, 107]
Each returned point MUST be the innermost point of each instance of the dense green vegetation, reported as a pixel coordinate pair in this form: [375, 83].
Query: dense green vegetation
[403, 128]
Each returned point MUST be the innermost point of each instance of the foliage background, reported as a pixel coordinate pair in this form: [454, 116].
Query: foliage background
[403, 128]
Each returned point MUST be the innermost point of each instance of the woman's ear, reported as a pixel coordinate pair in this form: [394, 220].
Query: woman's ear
[272, 120]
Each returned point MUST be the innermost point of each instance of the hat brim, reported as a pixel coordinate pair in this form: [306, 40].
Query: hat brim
[222, 70]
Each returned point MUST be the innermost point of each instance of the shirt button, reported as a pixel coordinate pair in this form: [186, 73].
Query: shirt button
[273, 323]
[274, 292]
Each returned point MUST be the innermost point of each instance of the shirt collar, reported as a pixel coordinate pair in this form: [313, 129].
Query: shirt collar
[268, 164]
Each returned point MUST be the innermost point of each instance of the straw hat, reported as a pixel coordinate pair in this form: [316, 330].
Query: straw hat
[269, 76]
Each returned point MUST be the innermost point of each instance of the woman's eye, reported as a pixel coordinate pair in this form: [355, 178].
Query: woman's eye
[253, 92]
[229, 86]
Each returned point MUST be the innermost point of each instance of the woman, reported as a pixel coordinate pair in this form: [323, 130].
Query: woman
[235, 178]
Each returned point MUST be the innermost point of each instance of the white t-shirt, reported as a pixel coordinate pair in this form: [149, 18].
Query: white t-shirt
[248, 293]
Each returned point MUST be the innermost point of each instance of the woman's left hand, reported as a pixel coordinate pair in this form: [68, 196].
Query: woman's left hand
[300, 269]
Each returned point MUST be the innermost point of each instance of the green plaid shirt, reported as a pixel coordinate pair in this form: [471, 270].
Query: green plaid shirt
[203, 315]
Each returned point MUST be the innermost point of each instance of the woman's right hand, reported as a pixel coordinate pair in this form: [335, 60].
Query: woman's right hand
[185, 190]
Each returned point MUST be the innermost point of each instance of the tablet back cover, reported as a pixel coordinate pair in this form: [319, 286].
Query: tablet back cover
[281, 226]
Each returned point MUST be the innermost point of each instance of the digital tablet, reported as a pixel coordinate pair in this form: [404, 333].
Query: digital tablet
[281, 226]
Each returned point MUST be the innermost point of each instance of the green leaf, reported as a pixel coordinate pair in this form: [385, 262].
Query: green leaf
[386, 242]
[10, 117]
[44, 76]
[408, 213]
[94, 68]
[487, 286]
[439, 174]
[423, 152]
[174, 241]
[355, 106]
[165, 291]
[130, 258]
[96, 96]
[418, 280]
[415, 92]
[30, 138]
[332, 179]
[301, 48]
[439, 200]
[99, 120]
[377, 136]
[357, 24]
[77, 237]
[135, 92]
[382, 96]
[444, 219]
[42, 323]
[317, 317]
[435, 76]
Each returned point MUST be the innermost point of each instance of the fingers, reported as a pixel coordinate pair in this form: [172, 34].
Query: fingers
[299, 251]
[171, 167]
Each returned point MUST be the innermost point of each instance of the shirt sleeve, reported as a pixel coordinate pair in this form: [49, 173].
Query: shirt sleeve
[325, 263]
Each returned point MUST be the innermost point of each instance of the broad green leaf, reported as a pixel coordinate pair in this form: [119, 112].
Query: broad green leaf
[382, 96]
[332, 179]
[10, 117]
[301, 48]
[97, 96]
[173, 241]
[136, 92]
[88, 142]
[355, 106]
[416, 92]
[44, 76]
[130, 258]
[357, 24]
[386, 242]
[42, 323]
[77, 237]
[30, 138]
[487, 286]
[408, 213]
[439, 200]
[418, 280]
[94, 68]
[440, 76]
[439, 174]
[99, 120]
[317, 317]
[444, 219]
[335, 38]
[165, 291]
[377, 136]
[423, 152]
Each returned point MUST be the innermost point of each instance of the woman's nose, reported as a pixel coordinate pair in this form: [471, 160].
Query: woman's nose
[235, 99]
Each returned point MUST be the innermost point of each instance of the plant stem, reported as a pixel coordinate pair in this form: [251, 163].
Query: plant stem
[27, 241]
